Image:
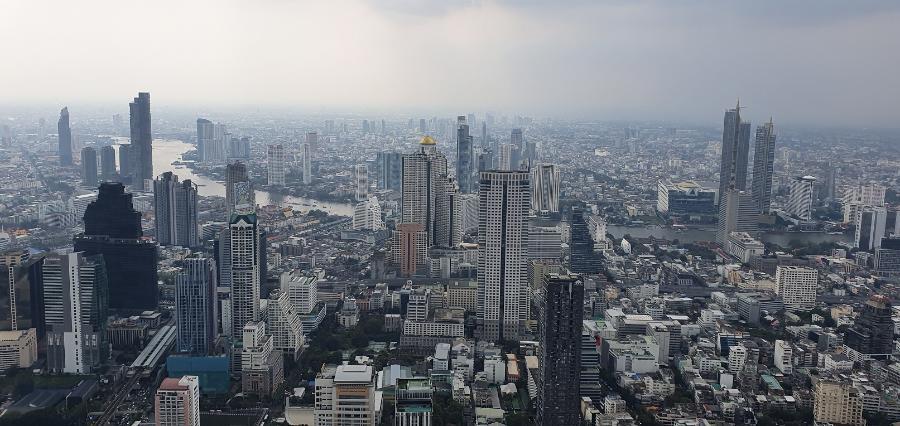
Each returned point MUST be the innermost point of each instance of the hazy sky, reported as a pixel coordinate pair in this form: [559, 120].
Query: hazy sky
[804, 62]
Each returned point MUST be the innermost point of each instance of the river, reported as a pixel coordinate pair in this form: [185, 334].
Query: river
[693, 234]
[166, 152]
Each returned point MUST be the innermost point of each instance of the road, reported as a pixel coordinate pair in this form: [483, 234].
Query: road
[113, 405]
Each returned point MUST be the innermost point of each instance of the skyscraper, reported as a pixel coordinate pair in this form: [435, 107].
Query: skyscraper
[240, 270]
[141, 141]
[361, 181]
[465, 157]
[175, 205]
[312, 139]
[424, 183]
[21, 291]
[205, 136]
[65, 138]
[177, 402]
[275, 164]
[504, 202]
[872, 334]
[235, 175]
[582, 258]
[390, 170]
[763, 166]
[545, 188]
[108, 163]
[870, 227]
[126, 168]
[112, 228]
[797, 287]
[800, 203]
[284, 324]
[307, 162]
[89, 167]
[517, 147]
[560, 325]
[735, 149]
[737, 213]
[75, 304]
[195, 306]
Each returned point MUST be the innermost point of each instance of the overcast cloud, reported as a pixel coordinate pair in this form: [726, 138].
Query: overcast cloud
[804, 62]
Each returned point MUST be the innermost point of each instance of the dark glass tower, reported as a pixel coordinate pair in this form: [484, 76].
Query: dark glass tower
[582, 259]
[89, 166]
[465, 157]
[735, 149]
[763, 166]
[112, 228]
[390, 170]
[872, 335]
[65, 138]
[560, 323]
[21, 291]
[108, 163]
[141, 141]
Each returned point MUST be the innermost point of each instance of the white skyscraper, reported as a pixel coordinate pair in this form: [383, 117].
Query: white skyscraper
[302, 290]
[307, 164]
[275, 163]
[797, 287]
[284, 324]
[545, 188]
[800, 203]
[240, 270]
[367, 215]
[361, 178]
[504, 202]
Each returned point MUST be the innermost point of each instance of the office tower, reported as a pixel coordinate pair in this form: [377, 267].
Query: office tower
[262, 366]
[307, 163]
[239, 148]
[783, 359]
[21, 291]
[797, 287]
[800, 203]
[312, 139]
[409, 248]
[735, 149]
[485, 160]
[89, 167]
[870, 227]
[448, 227]
[389, 167]
[530, 154]
[424, 182]
[236, 178]
[284, 324]
[763, 166]
[177, 402]
[560, 324]
[545, 188]
[108, 163]
[838, 403]
[686, 198]
[831, 176]
[75, 306]
[859, 196]
[125, 166]
[485, 143]
[505, 159]
[737, 213]
[240, 269]
[872, 334]
[544, 240]
[65, 138]
[112, 228]
[195, 306]
[367, 215]
[345, 395]
[504, 201]
[465, 157]
[141, 141]
[361, 181]
[517, 147]
[175, 206]
[275, 164]
[302, 291]
[205, 135]
[582, 258]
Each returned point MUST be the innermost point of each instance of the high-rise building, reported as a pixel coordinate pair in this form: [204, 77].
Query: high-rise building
[367, 215]
[345, 395]
[275, 164]
[312, 139]
[545, 188]
[126, 168]
[737, 213]
[582, 258]
[206, 131]
[763, 166]
[262, 366]
[686, 198]
[485, 143]
[783, 359]
[302, 291]
[284, 324]
[195, 306]
[831, 177]
[735, 149]
[856, 197]
[89, 167]
[108, 163]
[361, 180]
[504, 203]
[409, 248]
[797, 287]
[75, 306]
[21, 291]
[465, 157]
[307, 162]
[240, 269]
[175, 206]
[837, 402]
[177, 402]
[65, 138]
[872, 334]
[390, 170]
[414, 405]
[505, 157]
[801, 198]
[560, 326]
[141, 141]
[425, 183]
[517, 144]
[112, 228]
[237, 182]
[870, 227]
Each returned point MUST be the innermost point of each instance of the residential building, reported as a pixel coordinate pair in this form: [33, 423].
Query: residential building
[195, 306]
[177, 402]
[560, 331]
[797, 286]
[763, 166]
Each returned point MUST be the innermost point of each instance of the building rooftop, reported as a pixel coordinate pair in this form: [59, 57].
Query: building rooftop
[353, 374]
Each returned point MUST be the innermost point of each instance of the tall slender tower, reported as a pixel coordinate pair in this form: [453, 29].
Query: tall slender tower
[361, 181]
[141, 140]
[108, 163]
[307, 161]
[504, 202]
[735, 149]
[517, 147]
[65, 138]
[275, 164]
[465, 156]
[560, 324]
[424, 183]
[545, 188]
[89, 166]
[175, 206]
[763, 166]
[195, 306]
